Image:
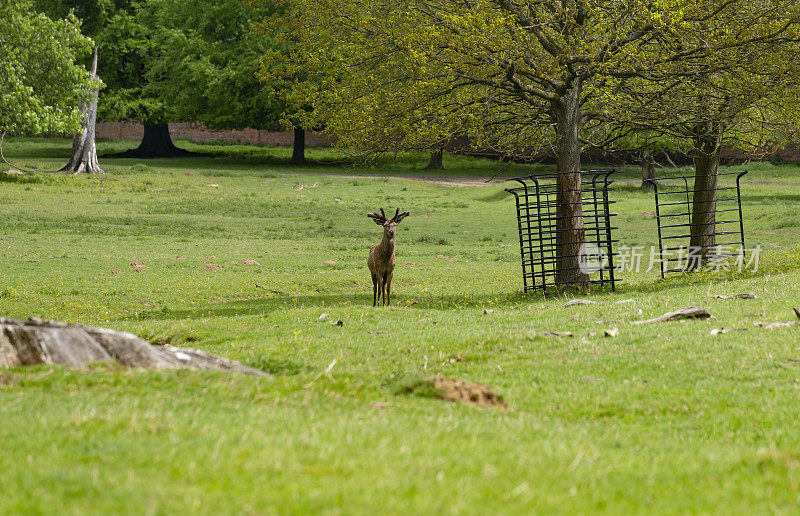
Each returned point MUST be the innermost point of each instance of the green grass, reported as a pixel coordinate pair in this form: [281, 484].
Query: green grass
[660, 419]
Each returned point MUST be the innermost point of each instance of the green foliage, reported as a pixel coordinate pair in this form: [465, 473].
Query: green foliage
[125, 48]
[402, 75]
[126, 51]
[290, 73]
[207, 64]
[740, 89]
[179, 60]
[41, 85]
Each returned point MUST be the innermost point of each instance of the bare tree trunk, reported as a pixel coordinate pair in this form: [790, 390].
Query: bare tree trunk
[704, 201]
[570, 236]
[299, 147]
[648, 169]
[84, 151]
[436, 161]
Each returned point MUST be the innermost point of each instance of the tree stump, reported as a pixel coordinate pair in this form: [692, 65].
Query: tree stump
[84, 150]
[38, 341]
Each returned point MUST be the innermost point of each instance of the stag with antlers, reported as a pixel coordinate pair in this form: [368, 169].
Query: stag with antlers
[381, 259]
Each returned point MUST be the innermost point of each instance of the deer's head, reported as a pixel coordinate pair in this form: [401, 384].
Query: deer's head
[389, 225]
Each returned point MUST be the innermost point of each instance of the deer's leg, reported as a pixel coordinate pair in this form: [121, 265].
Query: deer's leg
[380, 289]
[388, 289]
[384, 283]
[374, 289]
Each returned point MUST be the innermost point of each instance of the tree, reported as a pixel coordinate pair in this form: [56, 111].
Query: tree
[126, 45]
[288, 76]
[435, 162]
[741, 92]
[41, 85]
[180, 61]
[506, 73]
[206, 69]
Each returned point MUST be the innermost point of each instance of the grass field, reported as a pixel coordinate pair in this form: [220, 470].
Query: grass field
[663, 418]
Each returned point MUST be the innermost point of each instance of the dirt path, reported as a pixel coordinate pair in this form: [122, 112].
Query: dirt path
[450, 181]
[455, 181]
[744, 182]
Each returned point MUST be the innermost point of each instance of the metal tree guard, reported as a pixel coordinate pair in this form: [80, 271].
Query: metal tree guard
[671, 208]
[538, 221]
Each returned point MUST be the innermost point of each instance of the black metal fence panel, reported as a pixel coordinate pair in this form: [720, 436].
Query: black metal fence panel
[673, 198]
[538, 222]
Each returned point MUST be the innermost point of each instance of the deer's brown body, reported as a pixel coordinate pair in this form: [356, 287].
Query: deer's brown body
[382, 259]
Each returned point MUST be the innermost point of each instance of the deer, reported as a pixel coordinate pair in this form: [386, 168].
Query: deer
[381, 259]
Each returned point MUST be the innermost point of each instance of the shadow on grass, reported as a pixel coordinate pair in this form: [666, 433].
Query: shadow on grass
[201, 161]
[773, 265]
[249, 157]
[512, 300]
[267, 305]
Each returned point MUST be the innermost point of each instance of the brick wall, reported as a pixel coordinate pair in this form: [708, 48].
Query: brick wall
[198, 133]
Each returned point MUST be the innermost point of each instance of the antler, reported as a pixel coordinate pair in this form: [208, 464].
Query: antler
[400, 216]
[379, 219]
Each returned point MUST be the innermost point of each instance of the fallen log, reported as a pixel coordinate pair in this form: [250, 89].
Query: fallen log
[690, 312]
[39, 341]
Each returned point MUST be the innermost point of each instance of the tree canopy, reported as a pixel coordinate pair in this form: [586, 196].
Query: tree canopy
[516, 75]
[405, 75]
[742, 93]
[207, 62]
[179, 61]
[125, 47]
[41, 84]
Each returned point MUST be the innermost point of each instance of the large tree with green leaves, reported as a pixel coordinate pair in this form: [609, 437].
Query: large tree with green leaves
[126, 47]
[287, 75]
[41, 84]
[742, 93]
[206, 69]
[168, 61]
[507, 74]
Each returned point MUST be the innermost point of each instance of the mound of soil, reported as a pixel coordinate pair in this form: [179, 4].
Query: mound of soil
[451, 389]
[473, 393]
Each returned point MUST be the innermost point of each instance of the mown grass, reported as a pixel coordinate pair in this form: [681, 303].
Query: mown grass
[660, 419]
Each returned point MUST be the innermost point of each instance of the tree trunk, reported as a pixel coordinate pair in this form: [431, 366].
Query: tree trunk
[84, 151]
[299, 147]
[436, 162]
[570, 236]
[156, 143]
[704, 202]
[648, 169]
